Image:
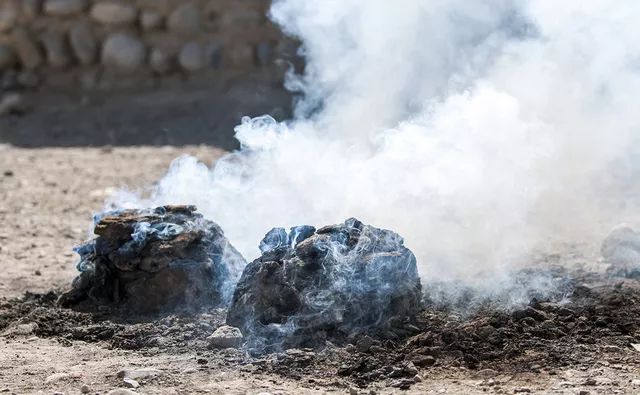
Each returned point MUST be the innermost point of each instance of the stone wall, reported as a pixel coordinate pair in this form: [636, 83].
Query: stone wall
[106, 44]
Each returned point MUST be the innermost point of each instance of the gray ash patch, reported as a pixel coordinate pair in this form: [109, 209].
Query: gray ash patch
[312, 285]
[164, 259]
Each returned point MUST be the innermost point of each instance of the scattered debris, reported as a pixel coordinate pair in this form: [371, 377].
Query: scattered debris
[311, 285]
[136, 374]
[163, 259]
[579, 330]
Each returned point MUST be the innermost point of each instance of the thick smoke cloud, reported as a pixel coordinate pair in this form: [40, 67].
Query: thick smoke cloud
[479, 131]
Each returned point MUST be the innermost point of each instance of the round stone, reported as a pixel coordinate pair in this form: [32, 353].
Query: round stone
[192, 57]
[123, 51]
[186, 19]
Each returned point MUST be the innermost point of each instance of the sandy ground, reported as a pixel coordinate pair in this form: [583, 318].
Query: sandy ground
[47, 197]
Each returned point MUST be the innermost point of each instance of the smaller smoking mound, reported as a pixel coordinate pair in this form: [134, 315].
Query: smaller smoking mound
[164, 259]
[312, 285]
[621, 250]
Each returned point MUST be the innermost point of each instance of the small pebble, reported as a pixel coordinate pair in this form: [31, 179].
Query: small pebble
[85, 389]
[130, 383]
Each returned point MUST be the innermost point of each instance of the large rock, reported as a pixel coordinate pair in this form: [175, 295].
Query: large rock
[27, 48]
[55, 46]
[123, 52]
[64, 7]
[114, 13]
[163, 259]
[83, 43]
[185, 19]
[333, 282]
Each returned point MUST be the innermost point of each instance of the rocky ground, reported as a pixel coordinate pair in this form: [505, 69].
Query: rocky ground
[579, 342]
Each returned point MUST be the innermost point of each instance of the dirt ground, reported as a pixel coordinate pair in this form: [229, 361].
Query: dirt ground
[47, 197]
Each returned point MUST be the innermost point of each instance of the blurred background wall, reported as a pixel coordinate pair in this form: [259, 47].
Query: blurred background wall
[116, 72]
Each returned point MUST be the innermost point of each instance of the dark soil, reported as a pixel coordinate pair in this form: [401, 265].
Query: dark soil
[601, 317]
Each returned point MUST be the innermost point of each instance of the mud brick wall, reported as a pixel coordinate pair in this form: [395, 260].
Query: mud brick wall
[103, 44]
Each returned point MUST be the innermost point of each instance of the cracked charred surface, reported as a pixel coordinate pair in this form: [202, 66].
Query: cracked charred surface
[163, 259]
[310, 286]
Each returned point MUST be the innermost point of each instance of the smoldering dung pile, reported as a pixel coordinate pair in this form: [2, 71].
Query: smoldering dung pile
[313, 284]
[162, 259]
[309, 284]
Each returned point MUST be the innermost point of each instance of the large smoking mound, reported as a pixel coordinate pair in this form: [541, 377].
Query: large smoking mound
[153, 260]
[312, 285]
[480, 131]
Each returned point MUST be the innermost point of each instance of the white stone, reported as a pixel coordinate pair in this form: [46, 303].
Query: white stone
[136, 374]
[130, 383]
[121, 391]
[54, 378]
[226, 337]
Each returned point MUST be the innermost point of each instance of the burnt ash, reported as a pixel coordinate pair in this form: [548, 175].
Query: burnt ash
[313, 285]
[597, 323]
[163, 259]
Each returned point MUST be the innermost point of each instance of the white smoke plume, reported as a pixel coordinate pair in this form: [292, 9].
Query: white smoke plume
[477, 130]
